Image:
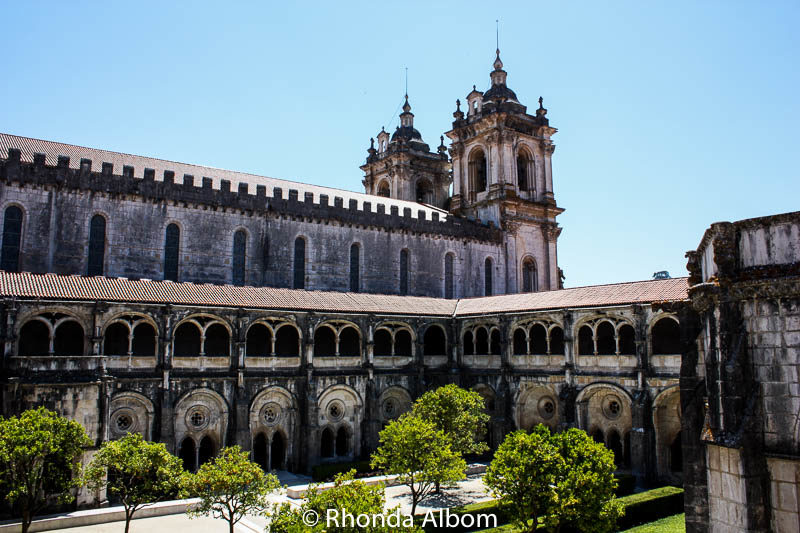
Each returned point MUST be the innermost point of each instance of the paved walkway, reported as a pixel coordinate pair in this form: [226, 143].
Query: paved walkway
[467, 491]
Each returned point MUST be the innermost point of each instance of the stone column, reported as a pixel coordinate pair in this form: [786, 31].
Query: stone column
[642, 437]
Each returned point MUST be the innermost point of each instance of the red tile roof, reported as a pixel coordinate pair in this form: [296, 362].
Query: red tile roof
[635, 292]
[55, 287]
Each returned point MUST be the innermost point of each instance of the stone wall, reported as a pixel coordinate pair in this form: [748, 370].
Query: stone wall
[740, 381]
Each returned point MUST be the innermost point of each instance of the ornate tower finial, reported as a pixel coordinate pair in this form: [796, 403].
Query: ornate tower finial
[458, 114]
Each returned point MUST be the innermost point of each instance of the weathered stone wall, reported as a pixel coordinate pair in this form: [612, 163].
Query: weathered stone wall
[234, 398]
[745, 286]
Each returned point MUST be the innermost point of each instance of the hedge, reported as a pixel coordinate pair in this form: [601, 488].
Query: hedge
[326, 471]
[626, 484]
[651, 505]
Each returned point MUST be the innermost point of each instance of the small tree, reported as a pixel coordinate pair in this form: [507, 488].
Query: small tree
[231, 486]
[523, 475]
[459, 413]
[566, 478]
[354, 497]
[135, 471]
[585, 486]
[39, 451]
[420, 454]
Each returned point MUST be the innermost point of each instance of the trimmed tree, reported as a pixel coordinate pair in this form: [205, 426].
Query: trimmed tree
[39, 453]
[566, 479]
[459, 413]
[231, 486]
[523, 475]
[585, 486]
[136, 472]
[349, 495]
[420, 454]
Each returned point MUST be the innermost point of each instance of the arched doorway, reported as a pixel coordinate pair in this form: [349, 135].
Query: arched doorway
[260, 456]
[188, 454]
[615, 445]
[206, 451]
[326, 443]
[342, 442]
[676, 454]
[277, 451]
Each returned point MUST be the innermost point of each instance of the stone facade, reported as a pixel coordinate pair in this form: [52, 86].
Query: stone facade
[739, 382]
[323, 383]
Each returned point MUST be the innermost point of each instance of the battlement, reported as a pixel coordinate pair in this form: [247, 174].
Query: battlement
[359, 209]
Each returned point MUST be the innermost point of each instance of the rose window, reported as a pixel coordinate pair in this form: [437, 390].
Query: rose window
[124, 422]
[198, 419]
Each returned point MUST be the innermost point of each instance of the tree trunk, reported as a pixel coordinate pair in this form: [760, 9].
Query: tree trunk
[128, 517]
[230, 524]
[26, 520]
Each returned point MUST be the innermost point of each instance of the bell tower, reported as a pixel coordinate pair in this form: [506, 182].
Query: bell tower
[404, 167]
[502, 174]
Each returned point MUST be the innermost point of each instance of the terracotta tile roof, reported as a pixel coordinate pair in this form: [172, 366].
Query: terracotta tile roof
[52, 150]
[54, 287]
[592, 296]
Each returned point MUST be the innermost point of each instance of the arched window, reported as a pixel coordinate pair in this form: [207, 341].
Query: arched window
[556, 341]
[239, 256]
[355, 253]
[97, 245]
[187, 340]
[144, 340]
[324, 342]
[530, 281]
[487, 276]
[615, 445]
[448, 276]
[171, 251]
[520, 342]
[676, 454]
[259, 341]
[260, 456]
[585, 341]
[494, 344]
[206, 451]
[666, 335]
[538, 340]
[477, 170]
[402, 343]
[481, 341]
[424, 192]
[34, 339]
[434, 341]
[523, 179]
[188, 454]
[12, 236]
[627, 344]
[469, 347]
[217, 341]
[277, 450]
[383, 189]
[606, 343]
[69, 339]
[299, 263]
[349, 342]
[382, 343]
[403, 272]
[287, 341]
[115, 340]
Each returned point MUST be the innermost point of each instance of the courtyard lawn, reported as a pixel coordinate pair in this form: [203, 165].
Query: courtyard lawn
[671, 524]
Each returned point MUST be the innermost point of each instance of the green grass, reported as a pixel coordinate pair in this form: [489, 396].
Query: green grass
[671, 524]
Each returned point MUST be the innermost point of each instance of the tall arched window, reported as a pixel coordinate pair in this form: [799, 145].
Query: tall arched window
[448, 276]
[171, 250]
[355, 254]
[403, 272]
[239, 256]
[299, 263]
[487, 276]
[530, 283]
[97, 245]
[12, 235]
[383, 189]
[477, 170]
[523, 178]
[424, 192]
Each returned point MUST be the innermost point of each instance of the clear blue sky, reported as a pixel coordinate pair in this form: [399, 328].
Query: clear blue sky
[671, 115]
